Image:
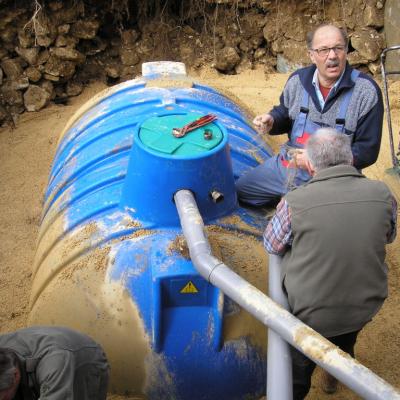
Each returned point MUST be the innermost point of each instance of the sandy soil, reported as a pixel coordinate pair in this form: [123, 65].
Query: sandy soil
[26, 154]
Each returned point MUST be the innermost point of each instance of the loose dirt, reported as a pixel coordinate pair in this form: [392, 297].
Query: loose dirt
[26, 154]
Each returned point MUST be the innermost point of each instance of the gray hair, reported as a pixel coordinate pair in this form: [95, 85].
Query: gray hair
[327, 148]
[310, 35]
[8, 363]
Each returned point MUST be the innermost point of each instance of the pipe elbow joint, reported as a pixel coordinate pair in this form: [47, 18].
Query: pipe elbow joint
[205, 263]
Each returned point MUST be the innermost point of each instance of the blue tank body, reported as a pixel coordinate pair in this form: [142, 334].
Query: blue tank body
[111, 260]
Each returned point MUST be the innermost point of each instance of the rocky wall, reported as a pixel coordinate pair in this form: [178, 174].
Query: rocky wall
[50, 49]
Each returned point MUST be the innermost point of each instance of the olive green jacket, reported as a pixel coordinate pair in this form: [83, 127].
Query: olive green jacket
[334, 272]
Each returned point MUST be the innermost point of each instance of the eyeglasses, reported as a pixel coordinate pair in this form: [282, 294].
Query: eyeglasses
[324, 51]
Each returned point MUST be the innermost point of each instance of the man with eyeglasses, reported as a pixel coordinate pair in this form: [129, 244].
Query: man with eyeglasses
[329, 93]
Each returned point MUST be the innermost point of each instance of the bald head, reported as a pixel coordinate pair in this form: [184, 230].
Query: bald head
[322, 31]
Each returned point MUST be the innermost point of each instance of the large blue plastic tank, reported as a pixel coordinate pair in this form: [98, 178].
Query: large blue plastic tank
[111, 260]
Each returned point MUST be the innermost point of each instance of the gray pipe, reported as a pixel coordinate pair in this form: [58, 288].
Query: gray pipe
[279, 360]
[395, 161]
[339, 364]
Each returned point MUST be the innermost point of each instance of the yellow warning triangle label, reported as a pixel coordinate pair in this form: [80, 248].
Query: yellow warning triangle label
[189, 288]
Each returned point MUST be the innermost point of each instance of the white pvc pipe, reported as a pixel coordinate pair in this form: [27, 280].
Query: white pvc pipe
[279, 360]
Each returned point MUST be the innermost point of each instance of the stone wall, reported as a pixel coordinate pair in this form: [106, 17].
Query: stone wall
[50, 50]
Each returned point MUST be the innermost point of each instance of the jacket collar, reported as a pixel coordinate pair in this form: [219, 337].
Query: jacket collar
[336, 172]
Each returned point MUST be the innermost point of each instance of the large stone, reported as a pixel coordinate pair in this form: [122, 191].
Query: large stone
[30, 55]
[11, 96]
[295, 29]
[355, 58]
[44, 40]
[73, 88]
[68, 54]
[12, 68]
[92, 69]
[66, 41]
[296, 52]
[284, 66]
[33, 74]
[129, 56]
[277, 45]
[48, 87]
[251, 43]
[227, 59]
[288, 21]
[245, 46]
[68, 15]
[43, 57]
[35, 98]
[368, 42]
[51, 78]
[372, 15]
[42, 25]
[260, 53]
[60, 68]
[20, 84]
[375, 68]
[129, 38]
[129, 71]
[113, 71]
[252, 23]
[348, 14]
[63, 29]
[271, 31]
[85, 29]
[231, 40]
[25, 39]
[145, 46]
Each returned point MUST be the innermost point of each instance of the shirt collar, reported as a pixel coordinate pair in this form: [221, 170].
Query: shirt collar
[318, 90]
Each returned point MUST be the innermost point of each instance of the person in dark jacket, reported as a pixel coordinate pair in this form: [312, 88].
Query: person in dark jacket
[328, 93]
[51, 363]
[331, 233]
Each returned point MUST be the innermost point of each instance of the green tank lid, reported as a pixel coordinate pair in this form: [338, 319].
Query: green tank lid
[156, 134]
